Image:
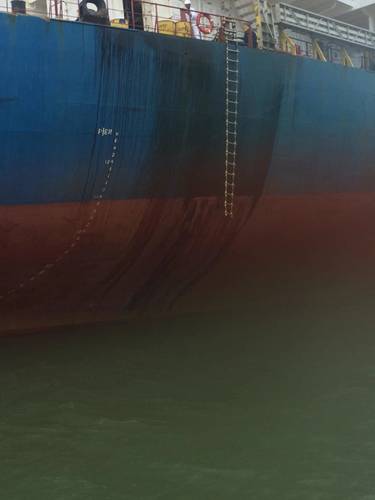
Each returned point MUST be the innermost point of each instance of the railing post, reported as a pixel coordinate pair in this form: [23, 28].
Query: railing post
[132, 13]
[250, 37]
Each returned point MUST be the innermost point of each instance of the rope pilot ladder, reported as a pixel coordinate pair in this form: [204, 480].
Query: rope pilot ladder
[231, 118]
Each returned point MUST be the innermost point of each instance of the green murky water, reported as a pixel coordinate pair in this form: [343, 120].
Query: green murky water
[258, 407]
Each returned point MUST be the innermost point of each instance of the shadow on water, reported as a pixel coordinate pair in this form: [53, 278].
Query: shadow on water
[244, 407]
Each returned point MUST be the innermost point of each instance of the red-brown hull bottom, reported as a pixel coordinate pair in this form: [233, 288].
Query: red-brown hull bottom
[70, 264]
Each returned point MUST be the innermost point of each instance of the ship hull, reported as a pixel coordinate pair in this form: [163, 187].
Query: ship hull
[112, 178]
[160, 257]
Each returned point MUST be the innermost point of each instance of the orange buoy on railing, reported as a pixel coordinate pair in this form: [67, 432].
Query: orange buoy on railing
[206, 29]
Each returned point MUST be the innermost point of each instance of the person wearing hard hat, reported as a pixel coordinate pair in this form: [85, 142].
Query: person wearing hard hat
[191, 16]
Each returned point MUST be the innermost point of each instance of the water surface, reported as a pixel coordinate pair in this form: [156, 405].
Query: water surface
[258, 406]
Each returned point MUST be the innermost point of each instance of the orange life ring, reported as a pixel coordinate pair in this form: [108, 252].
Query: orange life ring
[206, 30]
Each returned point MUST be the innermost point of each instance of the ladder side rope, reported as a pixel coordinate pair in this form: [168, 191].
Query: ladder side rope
[231, 120]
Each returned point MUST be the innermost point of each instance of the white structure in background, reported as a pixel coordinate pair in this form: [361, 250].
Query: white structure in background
[342, 31]
[63, 9]
[357, 12]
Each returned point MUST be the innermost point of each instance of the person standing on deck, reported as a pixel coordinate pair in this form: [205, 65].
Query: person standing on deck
[191, 16]
[250, 37]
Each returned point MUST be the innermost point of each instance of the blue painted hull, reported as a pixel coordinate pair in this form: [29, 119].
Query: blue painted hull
[112, 173]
